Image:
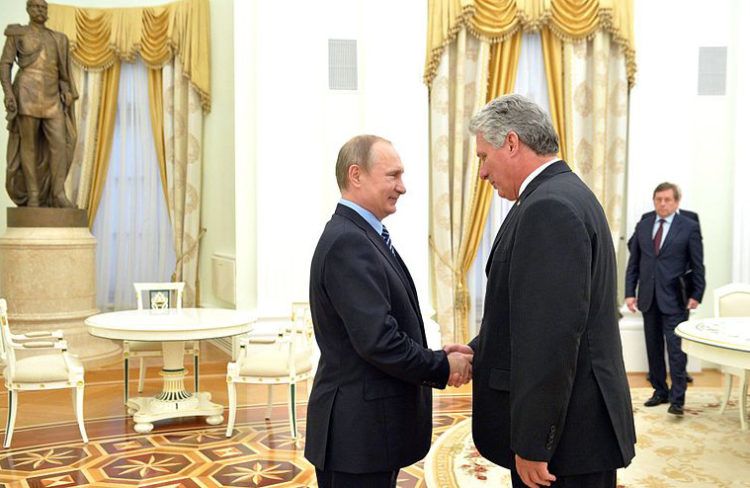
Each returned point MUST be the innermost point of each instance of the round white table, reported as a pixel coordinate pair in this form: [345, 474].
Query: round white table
[172, 327]
[722, 340]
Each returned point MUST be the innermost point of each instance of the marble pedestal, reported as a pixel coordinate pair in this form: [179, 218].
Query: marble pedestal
[47, 269]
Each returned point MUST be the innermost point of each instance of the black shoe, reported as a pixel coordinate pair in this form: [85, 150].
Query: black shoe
[676, 410]
[655, 400]
[689, 379]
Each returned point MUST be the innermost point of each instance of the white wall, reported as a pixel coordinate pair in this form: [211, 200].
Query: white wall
[218, 198]
[297, 125]
[675, 134]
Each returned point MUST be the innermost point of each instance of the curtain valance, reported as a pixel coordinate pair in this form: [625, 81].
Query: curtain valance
[100, 36]
[496, 20]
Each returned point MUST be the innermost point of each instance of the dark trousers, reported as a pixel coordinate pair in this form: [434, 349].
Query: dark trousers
[659, 328]
[337, 479]
[602, 479]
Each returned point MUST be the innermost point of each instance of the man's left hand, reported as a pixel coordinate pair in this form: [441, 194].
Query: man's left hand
[693, 304]
[533, 473]
[67, 99]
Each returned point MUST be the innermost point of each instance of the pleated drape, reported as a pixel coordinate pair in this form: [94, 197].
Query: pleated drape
[104, 132]
[501, 23]
[553, 68]
[456, 230]
[495, 20]
[100, 36]
[156, 107]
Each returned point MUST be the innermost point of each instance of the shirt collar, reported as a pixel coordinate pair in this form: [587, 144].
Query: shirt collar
[365, 214]
[534, 174]
[667, 220]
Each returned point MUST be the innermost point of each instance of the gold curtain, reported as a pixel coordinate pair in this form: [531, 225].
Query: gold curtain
[503, 67]
[99, 37]
[105, 129]
[495, 20]
[553, 68]
[157, 123]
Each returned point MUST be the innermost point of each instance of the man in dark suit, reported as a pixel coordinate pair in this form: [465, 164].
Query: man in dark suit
[370, 408]
[663, 248]
[551, 398]
[686, 283]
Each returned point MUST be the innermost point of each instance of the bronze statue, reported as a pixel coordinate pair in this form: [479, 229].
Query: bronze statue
[40, 112]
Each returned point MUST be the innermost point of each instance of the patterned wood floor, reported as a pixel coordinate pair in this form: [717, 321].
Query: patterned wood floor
[185, 453]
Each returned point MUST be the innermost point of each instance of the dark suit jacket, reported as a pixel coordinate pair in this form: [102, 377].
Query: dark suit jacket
[657, 278]
[370, 407]
[549, 377]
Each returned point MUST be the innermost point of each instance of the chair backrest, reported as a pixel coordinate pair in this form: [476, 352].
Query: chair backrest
[301, 317]
[732, 300]
[7, 355]
[159, 295]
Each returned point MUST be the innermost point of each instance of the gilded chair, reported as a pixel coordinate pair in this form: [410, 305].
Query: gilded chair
[37, 361]
[733, 300]
[158, 296]
[270, 360]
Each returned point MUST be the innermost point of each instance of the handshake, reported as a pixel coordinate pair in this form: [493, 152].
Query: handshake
[459, 357]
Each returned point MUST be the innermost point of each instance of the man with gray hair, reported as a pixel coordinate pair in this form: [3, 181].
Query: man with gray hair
[551, 398]
[370, 408]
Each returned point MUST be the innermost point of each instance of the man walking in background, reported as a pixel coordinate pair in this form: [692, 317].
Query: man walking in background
[663, 248]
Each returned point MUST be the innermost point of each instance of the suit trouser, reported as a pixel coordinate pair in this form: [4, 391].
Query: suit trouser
[337, 479]
[659, 328]
[601, 479]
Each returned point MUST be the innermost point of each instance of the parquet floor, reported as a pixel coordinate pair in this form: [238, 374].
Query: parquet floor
[47, 450]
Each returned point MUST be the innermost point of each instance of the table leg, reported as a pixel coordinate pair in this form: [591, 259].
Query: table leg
[173, 401]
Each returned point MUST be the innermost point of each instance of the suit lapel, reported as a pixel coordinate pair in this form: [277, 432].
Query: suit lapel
[553, 169]
[646, 236]
[394, 260]
[674, 231]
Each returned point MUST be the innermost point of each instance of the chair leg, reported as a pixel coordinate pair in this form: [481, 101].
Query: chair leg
[270, 401]
[141, 375]
[293, 409]
[743, 399]
[78, 394]
[232, 389]
[727, 392]
[12, 404]
[195, 366]
[127, 381]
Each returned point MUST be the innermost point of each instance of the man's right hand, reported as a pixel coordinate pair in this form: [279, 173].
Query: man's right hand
[632, 304]
[460, 368]
[10, 104]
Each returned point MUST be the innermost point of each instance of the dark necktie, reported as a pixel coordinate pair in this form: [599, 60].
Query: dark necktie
[657, 237]
[387, 238]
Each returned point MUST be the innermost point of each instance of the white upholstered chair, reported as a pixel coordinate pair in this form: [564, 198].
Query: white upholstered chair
[158, 296]
[37, 361]
[733, 300]
[284, 358]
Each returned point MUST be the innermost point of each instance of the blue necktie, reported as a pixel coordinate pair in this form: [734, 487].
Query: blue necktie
[387, 238]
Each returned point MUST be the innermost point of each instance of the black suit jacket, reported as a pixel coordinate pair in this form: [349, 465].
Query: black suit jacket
[685, 282]
[370, 407]
[658, 278]
[549, 377]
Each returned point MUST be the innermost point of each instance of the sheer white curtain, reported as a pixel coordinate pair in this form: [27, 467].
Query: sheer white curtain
[532, 83]
[132, 228]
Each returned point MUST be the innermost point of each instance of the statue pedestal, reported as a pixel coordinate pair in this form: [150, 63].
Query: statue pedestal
[47, 258]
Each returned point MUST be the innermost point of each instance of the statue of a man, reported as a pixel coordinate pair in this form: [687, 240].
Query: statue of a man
[39, 106]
